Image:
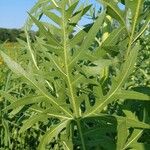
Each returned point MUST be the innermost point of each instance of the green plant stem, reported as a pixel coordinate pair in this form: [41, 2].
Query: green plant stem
[133, 28]
[81, 134]
[65, 47]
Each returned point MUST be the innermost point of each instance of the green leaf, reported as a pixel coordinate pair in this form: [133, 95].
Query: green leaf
[30, 49]
[18, 69]
[99, 66]
[53, 17]
[133, 139]
[132, 121]
[7, 135]
[52, 133]
[76, 17]
[45, 32]
[78, 38]
[122, 130]
[90, 37]
[140, 146]
[143, 28]
[71, 9]
[92, 32]
[117, 83]
[114, 11]
[13, 65]
[114, 37]
[137, 124]
[135, 7]
[32, 120]
[8, 96]
[126, 94]
[26, 101]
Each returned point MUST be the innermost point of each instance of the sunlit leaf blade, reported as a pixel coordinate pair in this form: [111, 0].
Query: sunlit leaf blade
[100, 65]
[133, 139]
[140, 146]
[126, 94]
[117, 83]
[45, 32]
[113, 37]
[76, 17]
[53, 16]
[19, 70]
[71, 9]
[13, 65]
[30, 49]
[92, 32]
[78, 38]
[133, 122]
[52, 133]
[114, 11]
[67, 146]
[122, 134]
[90, 37]
[32, 120]
[136, 9]
[144, 27]
[25, 101]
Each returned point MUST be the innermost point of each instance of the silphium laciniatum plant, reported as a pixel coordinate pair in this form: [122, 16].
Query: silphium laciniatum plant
[80, 72]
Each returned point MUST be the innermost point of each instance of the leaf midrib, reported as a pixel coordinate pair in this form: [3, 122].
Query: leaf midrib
[44, 94]
[133, 27]
[135, 18]
[116, 13]
[65, 48]
[129, 143]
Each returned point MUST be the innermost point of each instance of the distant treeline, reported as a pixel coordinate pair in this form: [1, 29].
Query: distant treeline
[11, 35]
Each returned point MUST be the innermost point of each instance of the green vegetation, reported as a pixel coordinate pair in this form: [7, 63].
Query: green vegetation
[11, 35]
[78, 87]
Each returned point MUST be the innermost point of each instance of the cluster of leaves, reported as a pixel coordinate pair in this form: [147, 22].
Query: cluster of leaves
[11, 35]
[78, 83]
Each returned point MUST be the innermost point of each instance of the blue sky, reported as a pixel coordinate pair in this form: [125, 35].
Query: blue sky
[13, 13]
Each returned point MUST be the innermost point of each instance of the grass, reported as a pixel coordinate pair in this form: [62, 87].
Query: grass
[11, 48]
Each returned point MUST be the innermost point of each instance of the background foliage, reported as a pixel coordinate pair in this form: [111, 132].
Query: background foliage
[11, 35]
